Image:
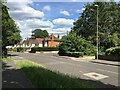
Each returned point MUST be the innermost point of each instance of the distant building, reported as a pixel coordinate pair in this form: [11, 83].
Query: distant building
[50, 41]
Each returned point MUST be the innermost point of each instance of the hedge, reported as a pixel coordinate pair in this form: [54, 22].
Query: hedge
[20, 49]
[34, 49]
[113, 51]
[12, 49]
[72, 54]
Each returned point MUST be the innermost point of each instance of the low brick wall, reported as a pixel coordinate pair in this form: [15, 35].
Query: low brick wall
[111, 58]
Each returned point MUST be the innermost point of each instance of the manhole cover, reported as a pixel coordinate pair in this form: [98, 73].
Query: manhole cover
[95, 76]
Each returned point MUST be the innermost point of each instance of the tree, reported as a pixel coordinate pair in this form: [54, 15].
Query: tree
[10, 32]
[74, 43]
[108, 23]
[38, 33]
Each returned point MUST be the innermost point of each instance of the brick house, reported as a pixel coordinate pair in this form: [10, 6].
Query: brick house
[52, 41]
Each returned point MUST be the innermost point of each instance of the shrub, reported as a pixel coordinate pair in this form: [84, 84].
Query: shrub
[12, 49]
[75, 54]
[113, 51]
[20, 49]
[74, 43]
[72, 54]
[34, 49]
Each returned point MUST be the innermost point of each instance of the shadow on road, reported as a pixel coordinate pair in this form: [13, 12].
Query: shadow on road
[13, 55]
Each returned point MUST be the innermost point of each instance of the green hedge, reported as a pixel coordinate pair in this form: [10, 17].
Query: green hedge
[12, 49]
[20, 49]
[34, 49]
[113, 51]
[72, 54]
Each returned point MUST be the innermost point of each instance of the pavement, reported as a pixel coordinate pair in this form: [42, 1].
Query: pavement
[91, 59]
[12, 77]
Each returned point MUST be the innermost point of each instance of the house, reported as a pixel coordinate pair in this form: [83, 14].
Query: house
[39, 42]
[50, 41]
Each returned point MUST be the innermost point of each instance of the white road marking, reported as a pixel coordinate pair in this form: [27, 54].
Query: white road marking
[107, 71]
[51, 63]
[95, 76]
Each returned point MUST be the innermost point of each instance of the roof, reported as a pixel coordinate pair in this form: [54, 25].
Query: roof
[32, 41]
[39, 40]
[52, 37]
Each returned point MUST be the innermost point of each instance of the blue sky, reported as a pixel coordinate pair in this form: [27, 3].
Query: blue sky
[55, 17]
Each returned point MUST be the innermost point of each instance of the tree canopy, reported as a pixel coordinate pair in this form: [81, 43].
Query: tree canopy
[108, 23]
[10, 31]
[38, 33]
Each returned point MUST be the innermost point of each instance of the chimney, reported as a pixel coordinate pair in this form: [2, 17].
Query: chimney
[58, 36]
[52, 36]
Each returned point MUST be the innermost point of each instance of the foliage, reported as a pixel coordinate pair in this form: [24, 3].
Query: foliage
[12, 49]
[42, 77]
[113, 51]
[34, 49]
[5, 59]
[74, 43]
[73, 54]
[20, 49]
[108, 23]
[10, 32]
[38, 33]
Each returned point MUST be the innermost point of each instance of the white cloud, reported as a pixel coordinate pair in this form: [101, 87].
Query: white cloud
[26, 26]
[66, 13]
[21, 10]
[47, 8]
[63, 22]
[80, 10]
[60, 31]
[26, 17]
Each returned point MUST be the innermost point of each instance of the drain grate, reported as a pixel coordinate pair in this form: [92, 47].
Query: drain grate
[95, 76]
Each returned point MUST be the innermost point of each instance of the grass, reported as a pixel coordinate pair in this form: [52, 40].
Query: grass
[41, 77]
[5, 59]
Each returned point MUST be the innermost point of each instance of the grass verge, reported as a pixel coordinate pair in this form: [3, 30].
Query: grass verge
[5, 59]
[41, 77]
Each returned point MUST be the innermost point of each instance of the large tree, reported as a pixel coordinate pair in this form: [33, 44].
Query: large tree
[38, 33]
[108, 23]
[10, 32]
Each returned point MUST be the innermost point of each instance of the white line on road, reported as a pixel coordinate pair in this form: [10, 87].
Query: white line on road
[52, 63]
[107, 71]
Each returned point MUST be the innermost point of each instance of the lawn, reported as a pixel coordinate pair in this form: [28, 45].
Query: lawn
[41, 77]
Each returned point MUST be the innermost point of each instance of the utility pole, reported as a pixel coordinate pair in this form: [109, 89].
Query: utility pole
[97, 32]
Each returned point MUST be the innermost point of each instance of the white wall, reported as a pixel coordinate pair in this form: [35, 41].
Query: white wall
[33, 45]
[40, 45]
[46, 44]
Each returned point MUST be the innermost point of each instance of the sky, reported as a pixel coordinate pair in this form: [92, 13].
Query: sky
[55, 17]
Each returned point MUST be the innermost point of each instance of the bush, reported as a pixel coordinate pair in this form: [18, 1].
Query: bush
[75, 54]
[20, 49]
[72, 54]
[113, 51]
[34, 49]
[74, 43]
[12, 49]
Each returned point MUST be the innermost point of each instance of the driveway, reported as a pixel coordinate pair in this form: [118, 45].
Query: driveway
[108, 74]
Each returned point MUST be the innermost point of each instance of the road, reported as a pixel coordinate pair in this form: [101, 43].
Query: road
[107, 74]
